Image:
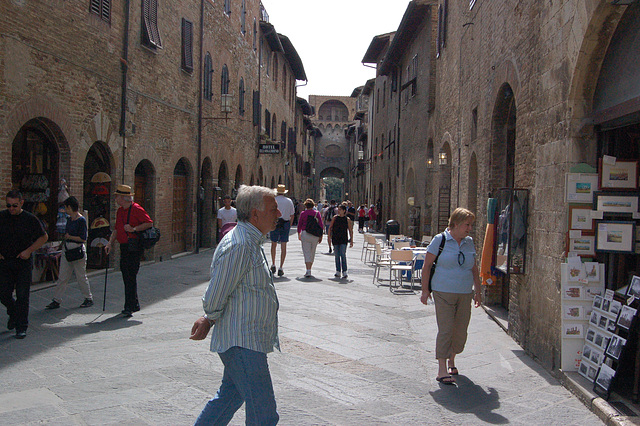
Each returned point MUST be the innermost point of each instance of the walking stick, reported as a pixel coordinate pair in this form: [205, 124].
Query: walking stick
[106, 271]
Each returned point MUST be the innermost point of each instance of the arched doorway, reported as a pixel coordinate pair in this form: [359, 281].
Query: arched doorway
[444, 186]
[260, 177]
[413, 207]
[238, 180]
[39, 156]
[273, 182]
[223, 179]
[144, 179]
[252, 180]
[206, 213]
[332, 184]
[98, 167]
[180, 206]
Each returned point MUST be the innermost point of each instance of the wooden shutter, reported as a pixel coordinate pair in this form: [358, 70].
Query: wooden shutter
[256, 108]
[150, 23]
[187, 45]
[102, 8]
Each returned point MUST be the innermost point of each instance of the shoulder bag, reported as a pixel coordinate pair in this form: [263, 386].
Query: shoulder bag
[73, 254]
[313, 227]
[146, 239]
[435, 262]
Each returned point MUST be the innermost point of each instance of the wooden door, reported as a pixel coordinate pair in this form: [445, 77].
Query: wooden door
[140, 186]
[179, 216]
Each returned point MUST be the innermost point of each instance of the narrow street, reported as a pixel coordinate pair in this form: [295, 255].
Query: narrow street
[352, 354]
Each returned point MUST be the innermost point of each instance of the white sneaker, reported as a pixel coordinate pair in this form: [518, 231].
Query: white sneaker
[307, 274]
[337, 275]
[344, 274]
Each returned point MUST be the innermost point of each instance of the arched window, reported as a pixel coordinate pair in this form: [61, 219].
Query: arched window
[274, 122]
[227, 7]
[243, 18]
[275, 70]
[208, 77]
[255, 34]
[224, 80]
[241, 97]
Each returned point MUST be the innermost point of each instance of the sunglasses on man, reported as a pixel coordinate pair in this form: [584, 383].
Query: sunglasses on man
[15, 206]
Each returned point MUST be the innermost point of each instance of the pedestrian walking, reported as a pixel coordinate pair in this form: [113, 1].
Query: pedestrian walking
[362, 216]
[21, 234]
[280, 235]
[226, 214]
[327, 215]
[131, 218]
[351, 211]
[306, 233]
[341, 233]
[372, 218]
[455, 283]
[242, 306]
[74, 238]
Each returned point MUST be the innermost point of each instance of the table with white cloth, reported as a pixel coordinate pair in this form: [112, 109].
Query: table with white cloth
[418, 258]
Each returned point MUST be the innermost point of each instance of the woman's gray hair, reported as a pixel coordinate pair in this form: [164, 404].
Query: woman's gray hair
[249, 198]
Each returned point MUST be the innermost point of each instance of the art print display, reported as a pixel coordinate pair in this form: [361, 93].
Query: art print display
[624, 203]
[592, 270]
[573, 312]
[621, 174]
[573, 330]
[584, 369]
[584, 245]
[615, 237]
[626, 317]
[572, 292]
[634, 287]
[614, 349]
[615, 307]
[591, 335]
[605, 377]
[580, 217]
[580, 187]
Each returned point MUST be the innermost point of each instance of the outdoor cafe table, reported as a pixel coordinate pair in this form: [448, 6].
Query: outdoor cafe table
[418, 258]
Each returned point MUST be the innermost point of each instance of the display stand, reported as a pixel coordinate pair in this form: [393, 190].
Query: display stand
[579, 287]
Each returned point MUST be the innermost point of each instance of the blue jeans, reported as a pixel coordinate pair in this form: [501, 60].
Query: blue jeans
[340, 252]
[246, 379]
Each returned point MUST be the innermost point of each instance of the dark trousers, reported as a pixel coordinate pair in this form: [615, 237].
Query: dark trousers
[16, 274]
[129, 265]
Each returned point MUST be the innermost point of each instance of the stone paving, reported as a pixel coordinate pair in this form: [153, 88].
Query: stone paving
[352, 354]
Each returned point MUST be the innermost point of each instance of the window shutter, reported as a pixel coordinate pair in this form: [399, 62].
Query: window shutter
[439, 36]
[208, 77]
[256, 108]
[241, 97]
[150, 23]
[187, 45]
[106, 10]
[94, 7]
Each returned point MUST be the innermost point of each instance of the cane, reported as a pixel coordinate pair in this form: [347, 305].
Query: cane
[106, 271]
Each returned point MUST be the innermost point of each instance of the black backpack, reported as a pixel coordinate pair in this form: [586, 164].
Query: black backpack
[313, 227]
[330, 213]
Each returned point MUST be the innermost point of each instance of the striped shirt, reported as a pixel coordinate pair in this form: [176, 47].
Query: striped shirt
[241, 297]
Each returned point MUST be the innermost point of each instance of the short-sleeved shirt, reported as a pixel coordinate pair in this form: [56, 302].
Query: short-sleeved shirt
[285, 205]
[77, 228]
[450, 276]
[18, 232]
[138, 216]
[227, 216]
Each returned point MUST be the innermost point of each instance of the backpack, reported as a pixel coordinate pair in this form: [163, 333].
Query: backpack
[313, 227]
[330, 213]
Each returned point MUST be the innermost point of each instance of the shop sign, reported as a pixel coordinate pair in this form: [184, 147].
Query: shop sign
[269, 148]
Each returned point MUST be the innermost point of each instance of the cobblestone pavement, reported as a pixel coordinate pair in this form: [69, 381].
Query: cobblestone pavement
[352, 354]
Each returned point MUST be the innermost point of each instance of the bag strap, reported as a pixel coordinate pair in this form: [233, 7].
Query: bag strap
[444, 240]
[129, 216]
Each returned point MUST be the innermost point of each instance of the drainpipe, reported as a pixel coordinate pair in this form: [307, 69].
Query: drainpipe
[124, 67]
[199, 192]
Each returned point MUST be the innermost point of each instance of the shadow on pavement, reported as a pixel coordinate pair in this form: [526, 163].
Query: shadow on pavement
[467, 397]
[310, 279]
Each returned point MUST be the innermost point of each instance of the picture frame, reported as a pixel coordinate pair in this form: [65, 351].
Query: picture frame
[634, 287]
[623, 174]
[579, 187]
[584, 369]
[584, 246]
[615, 346]
[573, 312]
[572, 292]
[596, 357]
[580, 218]
[625, 319]
[616, 203]
[592, 269]
[591, 335]
[573, 330]
[593, 372]
[605, 377]
[615, 307]
[597, 302]
[586, 351]
[615, 236]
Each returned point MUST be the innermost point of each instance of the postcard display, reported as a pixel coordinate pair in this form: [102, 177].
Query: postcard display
[581, 283]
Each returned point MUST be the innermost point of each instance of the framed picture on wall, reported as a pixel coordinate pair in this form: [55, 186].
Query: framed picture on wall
[623, 174]
[605, 377]
[583, 246]
[580, 217]
[615, 237]
[621, 203]
[580, 187]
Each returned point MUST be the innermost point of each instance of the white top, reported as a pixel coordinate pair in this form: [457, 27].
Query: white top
[227, 215]
[285, 205]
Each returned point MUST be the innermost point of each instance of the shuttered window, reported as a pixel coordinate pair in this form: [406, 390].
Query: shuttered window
[243, 17]
[150, 33]
[187, 45]
[256, 108]
[241, 97]
[102, 8]
[227, 7]
[208, 77]
[224, 80]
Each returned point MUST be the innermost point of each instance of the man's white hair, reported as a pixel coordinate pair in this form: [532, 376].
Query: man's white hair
[249, 198]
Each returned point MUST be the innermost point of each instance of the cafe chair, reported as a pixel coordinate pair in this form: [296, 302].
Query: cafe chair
[368, 248]
[382, 260]
[402, 262]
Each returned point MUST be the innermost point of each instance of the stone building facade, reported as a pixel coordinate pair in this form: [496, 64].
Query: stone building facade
[512, 96]
[172, 97]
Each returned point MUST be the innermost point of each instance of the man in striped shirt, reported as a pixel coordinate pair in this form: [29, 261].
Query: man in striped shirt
[241, 305]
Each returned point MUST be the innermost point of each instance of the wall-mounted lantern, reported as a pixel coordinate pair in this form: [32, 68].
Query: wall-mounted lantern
[442, 158]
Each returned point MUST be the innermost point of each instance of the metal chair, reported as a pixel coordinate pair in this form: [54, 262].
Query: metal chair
[426, 239]
[370, 249]
[401, 244]
[382, 260]
[401, 261]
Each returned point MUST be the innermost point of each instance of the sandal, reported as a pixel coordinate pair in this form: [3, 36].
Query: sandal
[446, 380]
[453, 371]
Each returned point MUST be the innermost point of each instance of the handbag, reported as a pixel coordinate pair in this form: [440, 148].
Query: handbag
[435, 262]
[73, 254]
[144, 239]
[313, 227]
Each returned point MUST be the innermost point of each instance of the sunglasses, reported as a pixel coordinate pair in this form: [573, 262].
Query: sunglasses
[15, 206]
[461, 258]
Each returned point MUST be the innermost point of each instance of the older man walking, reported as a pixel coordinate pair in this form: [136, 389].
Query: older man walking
[241, 305]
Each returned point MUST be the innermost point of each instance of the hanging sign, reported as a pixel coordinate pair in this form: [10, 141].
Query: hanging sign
[269, 148]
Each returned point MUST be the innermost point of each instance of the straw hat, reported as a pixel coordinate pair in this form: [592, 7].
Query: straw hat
[100, 177]
[281, 189]
[124, 190]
